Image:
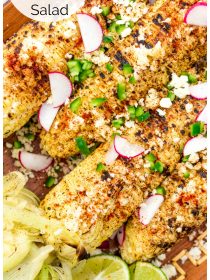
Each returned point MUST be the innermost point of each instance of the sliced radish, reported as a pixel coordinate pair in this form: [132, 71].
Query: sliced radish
[197, 14]
[34, 161]
[61, 88]
[149, 208]
[202, 117]
[126, 149]
[111, 155]
[121, 235]
[195, 145]
[91, 31]
[104, 245]
[46, 115]
[114, 234]
[199, 91]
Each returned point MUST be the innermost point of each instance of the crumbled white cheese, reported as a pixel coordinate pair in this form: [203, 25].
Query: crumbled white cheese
[100, 122]
[190, 187]
[194, 157]
[161, 112]
[176, 139]
[98, 58]
[96, 10]
[122, 2]
[126, 32]
[162, 257]
[195, 252]
[183, 259]
[29, 42]
[129, 124]
[180, 85]
[142, 54]
[169, 270]
[188, 107]
[156, 262]
[165, 102]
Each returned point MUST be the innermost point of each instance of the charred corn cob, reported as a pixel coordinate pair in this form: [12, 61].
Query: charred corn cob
[183, 210]
[163, 44]
[94, 204]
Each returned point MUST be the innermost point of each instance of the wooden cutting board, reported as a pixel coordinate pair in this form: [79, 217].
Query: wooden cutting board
[12, 21]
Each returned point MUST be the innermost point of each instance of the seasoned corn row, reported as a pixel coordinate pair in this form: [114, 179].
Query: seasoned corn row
[94, 204]
[183, 210]
[167, 45]
[30, 54]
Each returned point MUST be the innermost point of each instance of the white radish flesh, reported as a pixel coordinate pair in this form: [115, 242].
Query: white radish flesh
[34, 162]
[195, 145]
[202, 117]
[126, 149]
[197, 14]
[121, 235]
[61, 88]
[149, 208]
[199, 91]
[111, 155]
[46, 115]
[91, 31]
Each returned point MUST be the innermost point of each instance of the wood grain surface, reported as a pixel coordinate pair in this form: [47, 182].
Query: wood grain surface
[12, 21]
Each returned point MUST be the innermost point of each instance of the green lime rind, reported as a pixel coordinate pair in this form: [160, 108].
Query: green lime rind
[146, 271]
[103, 267]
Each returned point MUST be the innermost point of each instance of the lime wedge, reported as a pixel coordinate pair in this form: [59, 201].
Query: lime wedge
[146, 271]
[101, 267]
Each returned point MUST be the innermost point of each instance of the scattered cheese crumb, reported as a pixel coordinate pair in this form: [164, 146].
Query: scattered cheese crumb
[195, 252]
[96, 10]
[169, 270]
[165, 102]
[161, 112]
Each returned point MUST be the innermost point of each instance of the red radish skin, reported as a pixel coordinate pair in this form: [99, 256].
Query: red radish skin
[46, 115]
[149, 208]
[61, 88]
[199, 91]
[91, 32]
[197, 14]
[202, 116]
[194, 145]
[111, 155]
[34, 162]
[121, 235]
[126, 149]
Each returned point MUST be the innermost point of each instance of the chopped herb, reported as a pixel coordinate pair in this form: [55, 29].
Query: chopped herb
[82, 146]
[112, 27]
[171, 95]
[150, 157]
[143, 117]
[185, 159]
[169, 87]
[161, 190]
[191, 78]
[17, 144]
[97, 102]
[107, 39]
[118, 17]
[131, 24]
[132, 80]
[196, 128]
[186, 175]
[118, 123]
[50, 182]
[80, 70]
[100, 167]
[120, 28]
[158, 167]
[30, 136]
[121, 93]
[75, 105]
[109, 67]
[105, 11]
[139, 111]
[132, 112]
[127, 69]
